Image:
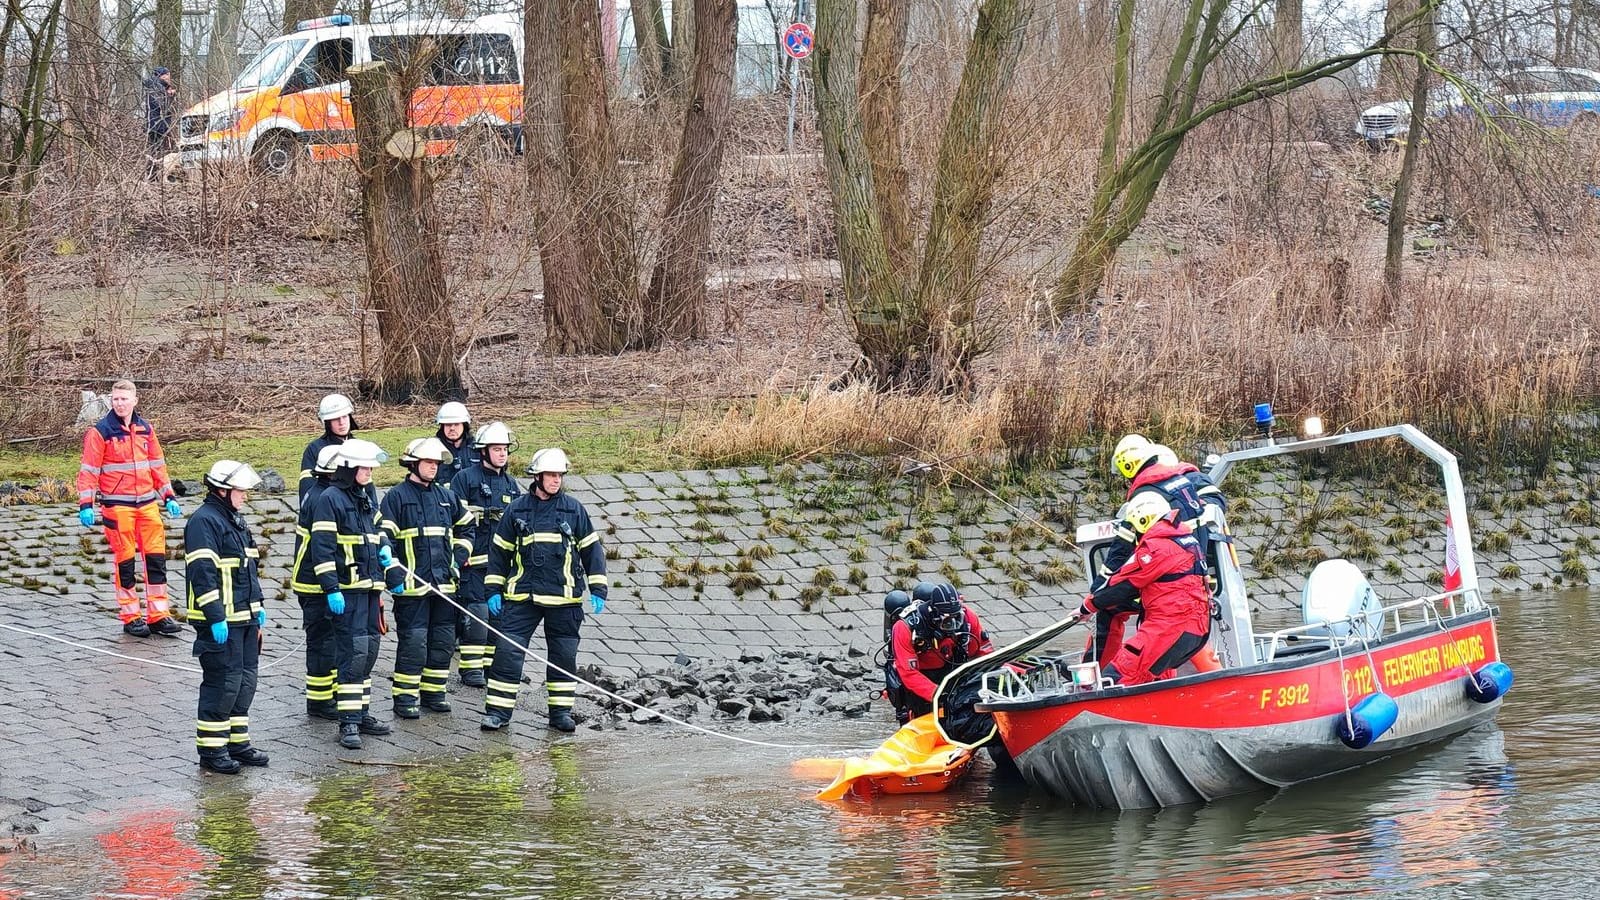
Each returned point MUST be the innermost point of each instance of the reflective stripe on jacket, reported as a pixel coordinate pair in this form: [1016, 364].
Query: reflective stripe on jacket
[486, 493]
[430, 530]
[547, 552]
[344, 541]
[221, 564]
[122, 465]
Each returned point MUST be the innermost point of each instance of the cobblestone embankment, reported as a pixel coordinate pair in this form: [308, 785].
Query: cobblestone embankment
[785, 568]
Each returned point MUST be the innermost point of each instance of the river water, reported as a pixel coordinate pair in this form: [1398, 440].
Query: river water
[1511, 810]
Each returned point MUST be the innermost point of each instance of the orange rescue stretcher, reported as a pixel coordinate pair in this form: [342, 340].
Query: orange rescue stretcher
[914, 760]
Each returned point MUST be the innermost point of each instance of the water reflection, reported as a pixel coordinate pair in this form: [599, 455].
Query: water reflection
[1507, 811]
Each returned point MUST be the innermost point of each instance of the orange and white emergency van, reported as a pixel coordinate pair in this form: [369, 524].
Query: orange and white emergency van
[292, 101]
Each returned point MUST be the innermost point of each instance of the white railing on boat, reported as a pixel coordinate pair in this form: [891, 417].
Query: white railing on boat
[1323, 633]
[1040, 678]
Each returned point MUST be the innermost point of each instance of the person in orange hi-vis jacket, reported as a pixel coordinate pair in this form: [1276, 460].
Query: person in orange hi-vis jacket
[123, 470]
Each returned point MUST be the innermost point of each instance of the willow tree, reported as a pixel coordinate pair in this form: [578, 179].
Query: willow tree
[26, 131]
[912, 314]
[1126, 183]
[585, 215]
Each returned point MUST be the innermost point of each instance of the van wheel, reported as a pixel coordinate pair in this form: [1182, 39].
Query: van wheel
[277, 154]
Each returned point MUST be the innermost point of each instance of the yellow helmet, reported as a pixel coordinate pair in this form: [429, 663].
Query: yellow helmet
[1132, 453]
[1143, 510]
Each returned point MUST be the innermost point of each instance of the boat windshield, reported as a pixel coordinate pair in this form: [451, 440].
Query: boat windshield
[269, 66]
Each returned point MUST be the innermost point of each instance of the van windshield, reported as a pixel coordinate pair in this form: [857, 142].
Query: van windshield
[267, 69]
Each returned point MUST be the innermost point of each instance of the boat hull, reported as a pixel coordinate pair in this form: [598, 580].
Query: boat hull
[1230, 732]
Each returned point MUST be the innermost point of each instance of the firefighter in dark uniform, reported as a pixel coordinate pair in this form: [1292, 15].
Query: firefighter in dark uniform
[315, 618]
[455, 432]
[350, 555]
[431, 532]
[1164, 581]
[1153, 468]
[487, 489]
[546, 557]
[338, 424]
[228, 610]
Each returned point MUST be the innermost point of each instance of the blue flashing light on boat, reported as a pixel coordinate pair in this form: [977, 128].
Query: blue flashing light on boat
[1264, 421]
[1370, 719]
[324, 22]
[1490, 683]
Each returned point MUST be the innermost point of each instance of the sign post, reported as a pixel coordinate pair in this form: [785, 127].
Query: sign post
[798, 42]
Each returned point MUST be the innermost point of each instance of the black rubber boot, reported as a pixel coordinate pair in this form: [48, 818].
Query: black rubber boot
[406, 709]
[222, 765]
[350, 735]
[137, 628]
[492, 722]
[473, 678]
[248, 755]
[369, 725]
[167, 627]
[322, 709]
[561, 720]
[436, 702]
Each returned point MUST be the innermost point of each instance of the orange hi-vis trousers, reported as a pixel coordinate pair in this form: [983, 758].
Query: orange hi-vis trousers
[138, 530]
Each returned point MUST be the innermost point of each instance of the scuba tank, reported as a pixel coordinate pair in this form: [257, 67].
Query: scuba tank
[895, 604]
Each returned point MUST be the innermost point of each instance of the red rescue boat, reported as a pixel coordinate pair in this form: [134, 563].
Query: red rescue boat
[1359, 681]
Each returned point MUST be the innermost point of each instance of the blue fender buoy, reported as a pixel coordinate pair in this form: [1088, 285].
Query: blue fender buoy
[1490, 682]
[1371, 718]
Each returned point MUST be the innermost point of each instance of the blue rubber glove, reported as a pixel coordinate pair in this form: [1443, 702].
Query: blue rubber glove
[219, 632]
[398, 590]
[597, 604]
[336, 603]
[261, 618]
[384, 556]
[86, 516]
[173, 510]
[495, 602]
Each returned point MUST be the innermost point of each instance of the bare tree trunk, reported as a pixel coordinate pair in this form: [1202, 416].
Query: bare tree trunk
[605, 228]
[223, 61]
[682, 61]
[881, 57]
[1396, 74]
[572, 320]
[297, 10]
[1288, 33]
[964, 181]
[675, 305]
[654, 47]
[169, 38]
[27, 133]
[890, 331]
[1395, 244]
[85, 62]
[405, 275]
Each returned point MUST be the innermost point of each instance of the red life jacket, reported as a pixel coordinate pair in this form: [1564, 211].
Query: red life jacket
[1168, 570]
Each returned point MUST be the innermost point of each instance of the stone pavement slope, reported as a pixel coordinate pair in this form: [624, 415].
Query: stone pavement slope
[705, 565]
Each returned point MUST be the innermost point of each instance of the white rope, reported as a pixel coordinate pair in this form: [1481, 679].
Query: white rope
[598, 689]
[62, 640]
[142, 659]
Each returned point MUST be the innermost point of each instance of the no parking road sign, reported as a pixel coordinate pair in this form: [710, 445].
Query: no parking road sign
[798, 40]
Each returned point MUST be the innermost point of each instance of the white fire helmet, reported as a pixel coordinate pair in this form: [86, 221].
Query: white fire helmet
[229, 475]
[550, 459]
[325, 459]
[359, 454]
[453, 413]
[1143, 510]
[426, 448]
[493, 433]
[333, 406]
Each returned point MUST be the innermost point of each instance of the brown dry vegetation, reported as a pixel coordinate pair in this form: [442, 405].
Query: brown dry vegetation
[239, 300]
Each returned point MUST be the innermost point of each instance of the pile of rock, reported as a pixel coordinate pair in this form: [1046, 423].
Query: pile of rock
[759, 687]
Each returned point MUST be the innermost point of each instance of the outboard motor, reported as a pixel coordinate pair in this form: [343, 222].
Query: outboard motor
[1338, 591]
